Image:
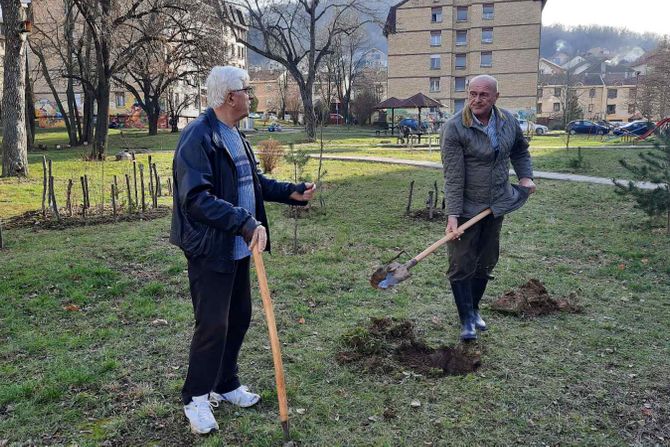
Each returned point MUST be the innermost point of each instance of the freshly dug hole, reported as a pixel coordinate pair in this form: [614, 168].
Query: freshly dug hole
[389, 345]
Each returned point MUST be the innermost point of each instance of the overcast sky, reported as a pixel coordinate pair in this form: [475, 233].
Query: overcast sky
[639, 15]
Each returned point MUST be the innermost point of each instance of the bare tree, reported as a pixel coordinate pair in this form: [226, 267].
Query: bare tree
[176, 103]
[113, 25]
[14, 141]
[654, 86]
[62, 47]
[348, 55]
[185, 50]
[297, 34]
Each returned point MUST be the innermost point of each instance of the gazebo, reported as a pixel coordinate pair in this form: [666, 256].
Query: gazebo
[419, 101]
[390, 103]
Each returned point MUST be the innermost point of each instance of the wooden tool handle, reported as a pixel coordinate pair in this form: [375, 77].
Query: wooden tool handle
[274, 338]
[450, 236]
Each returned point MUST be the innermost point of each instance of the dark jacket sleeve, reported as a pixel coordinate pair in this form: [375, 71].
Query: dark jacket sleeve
[519, 154]
[454, 169]
[193, 173]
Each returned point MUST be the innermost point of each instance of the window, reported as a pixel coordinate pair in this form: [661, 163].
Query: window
[460, 84]
[435, 62]
[557, 107]
[590, 108]
[592, 93]
[462, 14]
[460, 60]
[611, 109]
[487, 13]
[487, 59]
[119, 99]
[461, 37]
[436, 15]
[434, 84]
[435, 38]
[631, 108]
[459, 104]
[487, 35]
[557, 92]
[540, 92]
[538, 109]
[611, 93]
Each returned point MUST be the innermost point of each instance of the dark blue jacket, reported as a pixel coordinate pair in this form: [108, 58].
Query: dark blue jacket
[205, 215]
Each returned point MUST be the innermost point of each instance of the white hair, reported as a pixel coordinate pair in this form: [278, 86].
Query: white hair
[221, 81]
[493, 82]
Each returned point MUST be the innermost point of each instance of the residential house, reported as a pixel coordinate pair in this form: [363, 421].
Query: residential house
[435, 47]
[603, 91]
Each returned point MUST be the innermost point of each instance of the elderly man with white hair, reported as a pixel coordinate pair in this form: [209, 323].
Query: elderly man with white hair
[218, 218]
[478, 144]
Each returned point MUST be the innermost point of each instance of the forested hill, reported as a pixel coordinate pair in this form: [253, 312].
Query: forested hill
[579, 40]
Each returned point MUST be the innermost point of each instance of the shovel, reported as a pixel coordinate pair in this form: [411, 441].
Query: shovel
[274, 341]
[394, 273]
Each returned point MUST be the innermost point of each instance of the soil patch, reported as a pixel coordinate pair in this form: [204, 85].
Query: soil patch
[388, 344]
[532, 300]
[94, 216]
[424, 214]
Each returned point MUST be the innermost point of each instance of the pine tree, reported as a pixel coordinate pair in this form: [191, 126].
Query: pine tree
[655, 169]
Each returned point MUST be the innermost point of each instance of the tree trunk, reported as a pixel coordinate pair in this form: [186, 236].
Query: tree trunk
[30, 112]
[102, 120]
[14, 142]
[153, 113]
[310, 116]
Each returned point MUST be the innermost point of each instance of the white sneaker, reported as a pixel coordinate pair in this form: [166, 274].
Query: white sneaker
[240, 397]
[199, 414]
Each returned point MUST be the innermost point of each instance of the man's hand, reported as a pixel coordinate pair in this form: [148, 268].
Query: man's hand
[259, 239]
[310, 190]
[528, 183]
[452, 227]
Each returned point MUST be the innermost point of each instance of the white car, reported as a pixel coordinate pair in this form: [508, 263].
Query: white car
[538, 129]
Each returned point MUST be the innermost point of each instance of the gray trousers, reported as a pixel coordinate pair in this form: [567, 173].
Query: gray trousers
[476, 253]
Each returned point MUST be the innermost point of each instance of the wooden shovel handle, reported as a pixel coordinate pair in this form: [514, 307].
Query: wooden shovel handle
[274, 337]
[450, 236]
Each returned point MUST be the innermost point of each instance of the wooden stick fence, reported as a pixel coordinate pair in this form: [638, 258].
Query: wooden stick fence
[134, 187]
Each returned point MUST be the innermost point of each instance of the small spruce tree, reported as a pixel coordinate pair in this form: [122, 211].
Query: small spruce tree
[655, 169]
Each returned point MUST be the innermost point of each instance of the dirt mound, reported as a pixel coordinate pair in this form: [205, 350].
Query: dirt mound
[532, 300]
[35, 220]
[389, 344]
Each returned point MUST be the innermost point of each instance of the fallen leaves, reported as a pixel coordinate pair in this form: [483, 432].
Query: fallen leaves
[72, 308]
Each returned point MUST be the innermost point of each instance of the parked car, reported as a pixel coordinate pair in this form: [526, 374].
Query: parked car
[538, 129]
[587, 127]
[635, 128]
[274, 127]
[335, 118]
[413, 125]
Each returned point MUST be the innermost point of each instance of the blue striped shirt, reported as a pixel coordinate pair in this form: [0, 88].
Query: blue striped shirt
[491, 130]
[246, 197]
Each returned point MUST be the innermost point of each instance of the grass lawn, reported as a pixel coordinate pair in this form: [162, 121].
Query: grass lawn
[21, 195]
[110, 373]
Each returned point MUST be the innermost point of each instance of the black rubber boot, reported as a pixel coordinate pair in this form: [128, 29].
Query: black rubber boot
[463, 298]
[478, 286]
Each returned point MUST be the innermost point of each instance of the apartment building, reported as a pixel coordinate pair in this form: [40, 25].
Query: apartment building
[436, 46]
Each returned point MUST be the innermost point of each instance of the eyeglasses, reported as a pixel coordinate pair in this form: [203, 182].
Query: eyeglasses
[248, 90]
